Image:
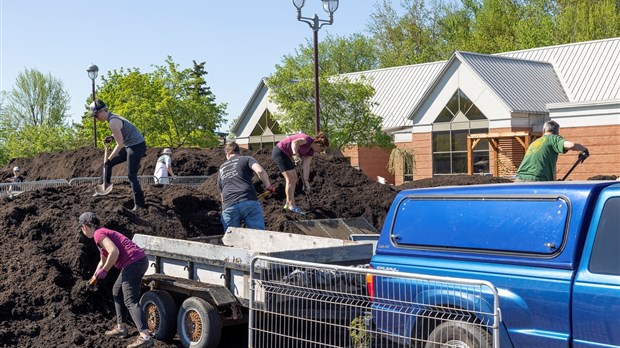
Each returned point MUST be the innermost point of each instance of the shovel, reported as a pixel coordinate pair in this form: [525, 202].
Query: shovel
[582, 157]
[102, 189]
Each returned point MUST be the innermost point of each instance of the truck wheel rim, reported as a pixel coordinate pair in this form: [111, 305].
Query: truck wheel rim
[455, 344]
[193, 326]
[152, 317]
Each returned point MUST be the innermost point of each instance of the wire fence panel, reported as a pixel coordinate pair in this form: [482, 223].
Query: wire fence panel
[18, 187]
[188, 180]
[299, 304]
[87, 180]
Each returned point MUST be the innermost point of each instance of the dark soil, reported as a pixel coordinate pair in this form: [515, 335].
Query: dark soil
[46, 261]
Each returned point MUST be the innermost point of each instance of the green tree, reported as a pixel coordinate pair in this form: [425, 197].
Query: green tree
[536, 28]
[346, 104]
[406, 39]
[32, 117]
[583, 20]
[37, 99]
[170, 106]
[494, 26]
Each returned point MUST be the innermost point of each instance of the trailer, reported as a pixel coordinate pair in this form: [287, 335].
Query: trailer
[199, 286]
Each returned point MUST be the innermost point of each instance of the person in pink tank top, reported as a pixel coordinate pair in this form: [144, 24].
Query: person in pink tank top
[118, 251]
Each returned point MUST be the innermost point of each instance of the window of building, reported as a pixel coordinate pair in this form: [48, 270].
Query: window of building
[263, 134]
[457, 119]
[266, 124]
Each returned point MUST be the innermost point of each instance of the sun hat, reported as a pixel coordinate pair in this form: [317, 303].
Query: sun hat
[95, 107]
[167, 151]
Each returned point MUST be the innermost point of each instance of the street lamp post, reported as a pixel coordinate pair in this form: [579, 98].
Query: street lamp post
[330, 6]
[93, 70]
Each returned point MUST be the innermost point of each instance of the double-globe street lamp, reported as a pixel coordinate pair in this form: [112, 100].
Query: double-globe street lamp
[93, 70]
[330, 6]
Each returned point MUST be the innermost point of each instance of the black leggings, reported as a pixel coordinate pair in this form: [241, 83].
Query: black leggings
[132, 155]
[126, 293]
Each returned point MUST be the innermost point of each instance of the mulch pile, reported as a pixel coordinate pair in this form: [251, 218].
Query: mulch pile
[46, 261]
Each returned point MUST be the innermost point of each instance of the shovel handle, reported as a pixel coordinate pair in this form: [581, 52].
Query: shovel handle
[105, 153]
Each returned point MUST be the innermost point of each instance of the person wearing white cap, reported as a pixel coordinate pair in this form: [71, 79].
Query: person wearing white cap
[17, 177]
[164, 167]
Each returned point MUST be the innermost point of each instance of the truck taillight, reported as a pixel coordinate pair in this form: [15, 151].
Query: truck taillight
[370, 285]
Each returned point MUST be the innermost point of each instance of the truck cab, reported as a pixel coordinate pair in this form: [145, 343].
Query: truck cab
[551, 249]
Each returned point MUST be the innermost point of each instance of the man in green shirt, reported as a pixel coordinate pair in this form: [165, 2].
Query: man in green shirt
[542, 155]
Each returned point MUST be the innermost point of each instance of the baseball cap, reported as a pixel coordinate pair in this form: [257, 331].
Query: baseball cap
[16, 169]
[96, 106]
[87, 218]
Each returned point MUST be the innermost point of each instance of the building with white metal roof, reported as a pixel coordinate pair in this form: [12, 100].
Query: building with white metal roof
[434, 108]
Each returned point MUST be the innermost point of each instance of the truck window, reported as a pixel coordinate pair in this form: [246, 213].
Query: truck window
[605, 258]
[533, 225]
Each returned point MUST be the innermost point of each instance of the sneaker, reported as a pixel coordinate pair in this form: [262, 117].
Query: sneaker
[296, 209]
[116, 332]
[142, 342]
[285, 207]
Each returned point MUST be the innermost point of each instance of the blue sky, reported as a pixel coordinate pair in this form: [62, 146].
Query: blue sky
[241, 41]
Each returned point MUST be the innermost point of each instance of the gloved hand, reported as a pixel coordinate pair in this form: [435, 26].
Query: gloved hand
[584, 154]
[307, 187]
[297, 159]
[271, 188]
[108, 139]
[106, 163]
[92, 281]
[101, 273]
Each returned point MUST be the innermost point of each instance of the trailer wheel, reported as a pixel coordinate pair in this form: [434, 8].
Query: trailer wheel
[160, 312]
[459, 334]
[199, 324]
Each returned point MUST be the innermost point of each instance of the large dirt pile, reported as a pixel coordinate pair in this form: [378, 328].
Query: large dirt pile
[46, 261]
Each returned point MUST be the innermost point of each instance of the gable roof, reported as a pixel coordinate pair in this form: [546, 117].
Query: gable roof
[589, 71]
[586, 71]
[242, 120]
[398, 90]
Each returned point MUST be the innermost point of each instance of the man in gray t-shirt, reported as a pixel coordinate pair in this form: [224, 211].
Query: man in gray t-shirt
[239, 199]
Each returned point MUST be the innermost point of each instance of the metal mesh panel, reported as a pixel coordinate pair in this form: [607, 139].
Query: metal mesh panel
[18, 187]
[188, 180]
[91, 181]
[298, 304]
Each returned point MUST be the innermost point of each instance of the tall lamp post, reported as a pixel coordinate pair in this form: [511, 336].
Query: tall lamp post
[93, 70]
[330, 6]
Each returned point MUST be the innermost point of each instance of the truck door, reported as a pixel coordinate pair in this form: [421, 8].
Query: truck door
[596, 291]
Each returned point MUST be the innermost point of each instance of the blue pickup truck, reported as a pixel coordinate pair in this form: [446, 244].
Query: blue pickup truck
[552, 251]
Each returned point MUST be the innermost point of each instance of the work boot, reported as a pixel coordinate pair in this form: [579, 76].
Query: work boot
[138, 200]
[142, 342]
[116, 332]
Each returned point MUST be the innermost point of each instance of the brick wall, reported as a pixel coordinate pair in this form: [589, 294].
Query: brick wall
[603, 143]
[371, 161]
[423, 149]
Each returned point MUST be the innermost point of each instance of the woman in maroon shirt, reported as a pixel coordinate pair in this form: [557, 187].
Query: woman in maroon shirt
[118, 251]
[297, 149]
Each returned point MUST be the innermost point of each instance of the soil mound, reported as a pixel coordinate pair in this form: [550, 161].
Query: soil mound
[46, 261]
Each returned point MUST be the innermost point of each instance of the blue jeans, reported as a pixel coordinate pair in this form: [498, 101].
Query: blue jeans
[250, 212]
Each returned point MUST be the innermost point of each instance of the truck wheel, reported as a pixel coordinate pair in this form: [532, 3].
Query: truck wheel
[160, 312]
[199, 324]
[459, 334]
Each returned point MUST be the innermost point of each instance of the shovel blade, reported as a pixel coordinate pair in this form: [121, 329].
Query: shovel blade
[102, 189]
